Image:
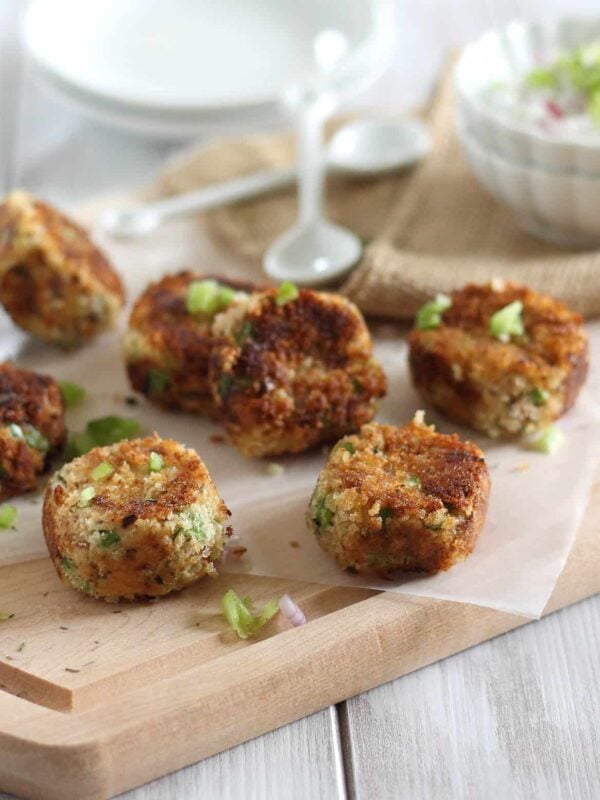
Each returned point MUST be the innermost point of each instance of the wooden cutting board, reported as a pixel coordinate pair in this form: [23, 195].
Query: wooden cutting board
[96, 699]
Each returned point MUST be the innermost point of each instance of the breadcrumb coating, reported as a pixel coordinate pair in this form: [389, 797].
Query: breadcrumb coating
[287, 377]
[54, 282]
[32, 427]
[400, 499]
[123, 524]
[167, 348]
[503, 388]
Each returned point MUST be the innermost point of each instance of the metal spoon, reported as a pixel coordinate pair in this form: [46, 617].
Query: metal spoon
[367, 147]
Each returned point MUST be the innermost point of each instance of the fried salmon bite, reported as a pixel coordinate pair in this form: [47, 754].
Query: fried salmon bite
[54, 282]
[32, 427]
[406, 499]
[292, 369]
[168, 342]
[138, 519]
[499, 358]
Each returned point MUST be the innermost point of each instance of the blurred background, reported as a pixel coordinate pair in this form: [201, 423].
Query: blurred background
[65, 157]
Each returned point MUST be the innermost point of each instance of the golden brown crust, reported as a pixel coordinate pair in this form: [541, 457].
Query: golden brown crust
[177, 343]
[189, 472]
[72, 242]
[27, 400]
[400, 499]
[20, 466]
[54, 282]
[286, 378]
[9, 254]
[477, 380]
[145, 552]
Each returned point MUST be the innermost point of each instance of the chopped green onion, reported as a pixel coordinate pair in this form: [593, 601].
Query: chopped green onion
[226, 295]
[549, 440]
[21, 647]
[286, 292]
[413, 481]
[202, 297]
[108, 539]
[155, 462]
[208, 297]
[112, 429]
[508, 321]
[78, 444]
[349, 447]
[539, 397]
[225, 384]
[323, 515]
[385, 514]
[16, 431]
[244, 332]
[239, 615]
[542, 78]
[101, 432]
[196, 524]
[86, 496]
[8, 515]
[274, 469]
[429, 316]
[4, 616]
[156, 381]
[72, 393]
[103, 470]
[577, 70]
[30, 435]
[35, 439]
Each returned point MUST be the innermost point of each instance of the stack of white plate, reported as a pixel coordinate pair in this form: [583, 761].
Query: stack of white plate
[551, 182]
[175, 68]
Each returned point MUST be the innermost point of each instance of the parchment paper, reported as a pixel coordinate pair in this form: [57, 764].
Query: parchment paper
[536, 505]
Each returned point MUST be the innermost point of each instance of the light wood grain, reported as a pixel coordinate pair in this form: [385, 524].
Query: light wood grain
[129, 733]
[67, 652]
[297, 762]
[515, 718]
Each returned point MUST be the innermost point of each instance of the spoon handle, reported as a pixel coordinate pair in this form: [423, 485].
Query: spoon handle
[144, 218]
[229, 191]
[310, 117]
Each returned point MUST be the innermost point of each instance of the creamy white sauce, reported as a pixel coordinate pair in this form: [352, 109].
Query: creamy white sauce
[559, 112]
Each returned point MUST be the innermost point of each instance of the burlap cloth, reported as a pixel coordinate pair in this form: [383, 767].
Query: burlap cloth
[428, 229]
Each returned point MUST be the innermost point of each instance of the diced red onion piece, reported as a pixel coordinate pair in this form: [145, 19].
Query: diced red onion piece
[554, 109]
[290, 610]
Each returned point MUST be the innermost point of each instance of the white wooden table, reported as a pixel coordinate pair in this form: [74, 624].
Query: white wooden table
[515, 718]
